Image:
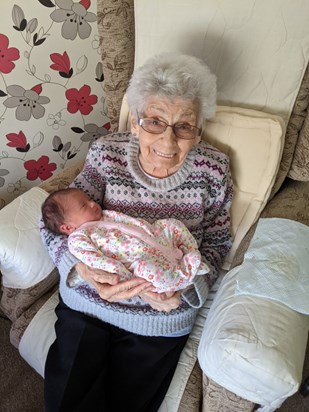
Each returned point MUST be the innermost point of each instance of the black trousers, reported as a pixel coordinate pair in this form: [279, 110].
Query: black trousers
[95, 367]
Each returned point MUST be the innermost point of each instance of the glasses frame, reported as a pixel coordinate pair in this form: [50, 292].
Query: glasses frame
[140, 121]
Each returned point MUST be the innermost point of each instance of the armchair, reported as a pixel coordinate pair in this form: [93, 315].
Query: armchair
[275, 96]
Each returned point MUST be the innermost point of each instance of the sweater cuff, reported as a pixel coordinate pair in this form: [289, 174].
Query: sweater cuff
[197, 296]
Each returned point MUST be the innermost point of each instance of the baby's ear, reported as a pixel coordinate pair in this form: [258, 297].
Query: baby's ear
[66, 229]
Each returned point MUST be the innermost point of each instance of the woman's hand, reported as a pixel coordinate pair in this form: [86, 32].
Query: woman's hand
[109, 286]
[163, 302]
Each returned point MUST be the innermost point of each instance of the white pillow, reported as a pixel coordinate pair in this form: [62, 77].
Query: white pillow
[252, 346]
[24, 260]
[276, 265]
[254, 142]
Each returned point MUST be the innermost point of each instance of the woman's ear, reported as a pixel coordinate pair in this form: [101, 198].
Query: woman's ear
[134, 125]
[197, 140]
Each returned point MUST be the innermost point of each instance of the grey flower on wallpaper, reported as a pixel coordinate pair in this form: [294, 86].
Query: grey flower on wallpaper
[75, 18]
[55, 121]
[93, 132]
[28, 102]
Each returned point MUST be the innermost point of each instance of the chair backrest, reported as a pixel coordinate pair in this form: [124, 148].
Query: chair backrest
[259, 50]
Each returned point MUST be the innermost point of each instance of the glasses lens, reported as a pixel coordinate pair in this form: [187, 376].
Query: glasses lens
[153, 125]
[185, 131]
[181, 130]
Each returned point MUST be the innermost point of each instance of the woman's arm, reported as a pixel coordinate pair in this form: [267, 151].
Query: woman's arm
[57, 246]
[217, 238]
[216, 241]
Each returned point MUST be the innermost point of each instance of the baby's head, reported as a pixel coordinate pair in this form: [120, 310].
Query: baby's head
[65, 210]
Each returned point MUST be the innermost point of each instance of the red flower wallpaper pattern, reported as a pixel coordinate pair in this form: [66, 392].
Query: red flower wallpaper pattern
[80, 100]
[7, 55]
[41, 168]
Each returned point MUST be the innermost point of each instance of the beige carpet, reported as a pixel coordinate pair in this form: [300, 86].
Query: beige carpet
[21, 388]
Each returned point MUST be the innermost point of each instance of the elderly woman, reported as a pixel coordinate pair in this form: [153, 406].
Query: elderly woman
[117, 342]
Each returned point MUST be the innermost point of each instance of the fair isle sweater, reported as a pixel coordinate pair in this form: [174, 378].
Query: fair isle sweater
[199, 194]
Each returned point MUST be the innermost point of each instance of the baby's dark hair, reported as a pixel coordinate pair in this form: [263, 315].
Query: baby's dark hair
[52, 211]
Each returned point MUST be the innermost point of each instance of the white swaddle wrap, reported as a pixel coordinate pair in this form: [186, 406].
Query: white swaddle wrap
[276, 264]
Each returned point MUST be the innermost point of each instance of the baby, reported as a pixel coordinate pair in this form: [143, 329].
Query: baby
[164, 253]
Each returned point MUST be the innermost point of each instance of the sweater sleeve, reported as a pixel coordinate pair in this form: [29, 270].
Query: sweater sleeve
[216, 241]
[57, 246]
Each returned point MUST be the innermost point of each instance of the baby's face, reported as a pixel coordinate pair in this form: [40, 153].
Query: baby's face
[81, 209]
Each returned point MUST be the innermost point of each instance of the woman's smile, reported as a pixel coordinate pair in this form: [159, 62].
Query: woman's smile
[166, 156]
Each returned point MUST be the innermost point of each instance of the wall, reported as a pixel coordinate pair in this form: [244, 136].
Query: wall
[52, 103]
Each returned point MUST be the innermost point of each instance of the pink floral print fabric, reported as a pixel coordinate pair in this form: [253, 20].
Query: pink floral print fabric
[164, 253]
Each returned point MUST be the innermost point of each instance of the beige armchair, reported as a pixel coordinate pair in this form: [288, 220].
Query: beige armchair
[195, 27]
[129, 32]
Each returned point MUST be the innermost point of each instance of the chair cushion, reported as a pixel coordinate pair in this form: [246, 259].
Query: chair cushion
[276, 264]
[24, 261]
[254, 142]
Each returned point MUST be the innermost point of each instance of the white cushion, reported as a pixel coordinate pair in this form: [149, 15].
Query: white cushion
[276, 265]
[254, 142]
[252, 346]
[24, 260]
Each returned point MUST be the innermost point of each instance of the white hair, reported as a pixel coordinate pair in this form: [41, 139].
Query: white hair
[174, 75]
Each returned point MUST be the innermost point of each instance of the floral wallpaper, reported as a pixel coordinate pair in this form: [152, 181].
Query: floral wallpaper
[52, 103]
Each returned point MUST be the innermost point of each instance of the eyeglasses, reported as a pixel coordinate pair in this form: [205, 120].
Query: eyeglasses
[181, 130]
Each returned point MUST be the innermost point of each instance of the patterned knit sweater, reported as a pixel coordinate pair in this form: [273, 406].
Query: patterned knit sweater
[199, 194]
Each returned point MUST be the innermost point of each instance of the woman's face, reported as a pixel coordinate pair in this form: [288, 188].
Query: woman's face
[162, 154]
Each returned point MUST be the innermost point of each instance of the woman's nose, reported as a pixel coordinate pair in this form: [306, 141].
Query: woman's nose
[169, 134]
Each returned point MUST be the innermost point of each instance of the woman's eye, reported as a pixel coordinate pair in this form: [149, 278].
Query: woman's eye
[183, 126]
[155, 122]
